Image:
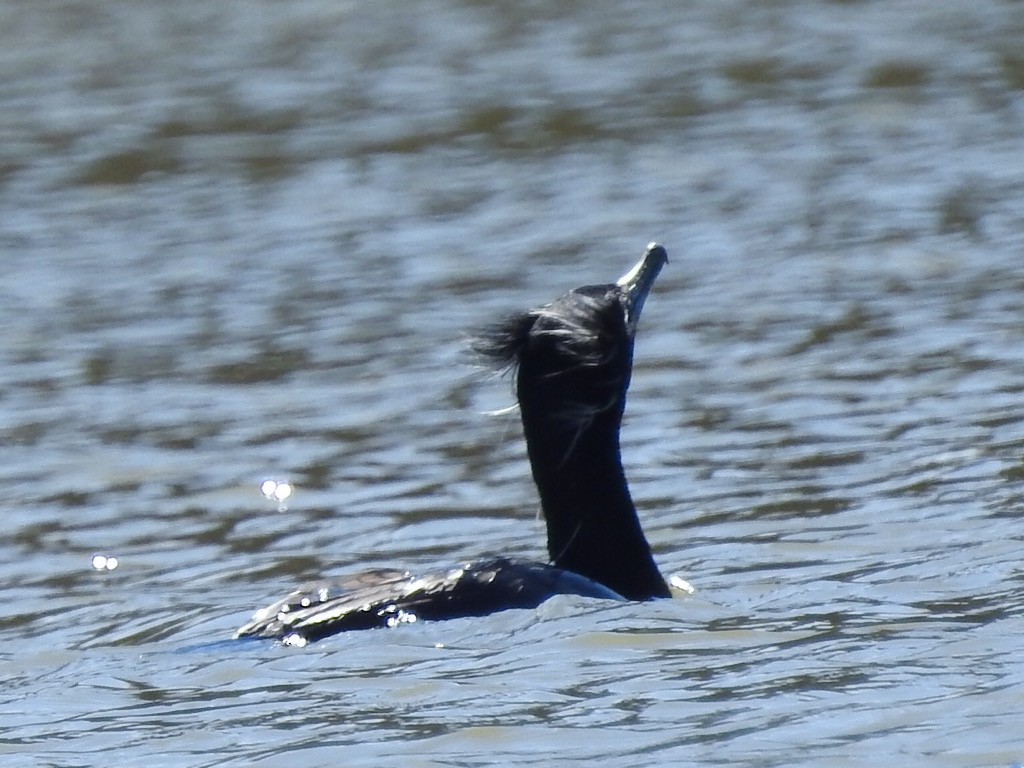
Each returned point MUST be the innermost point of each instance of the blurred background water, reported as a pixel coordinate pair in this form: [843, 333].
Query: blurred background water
[245, 240]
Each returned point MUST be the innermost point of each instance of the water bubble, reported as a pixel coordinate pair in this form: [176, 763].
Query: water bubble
[104, 562]
[276, 490]
[680, 585]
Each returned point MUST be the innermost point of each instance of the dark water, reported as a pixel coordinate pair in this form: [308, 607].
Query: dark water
[244, 240]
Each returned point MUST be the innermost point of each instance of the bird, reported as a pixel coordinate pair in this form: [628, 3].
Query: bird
[572, 361]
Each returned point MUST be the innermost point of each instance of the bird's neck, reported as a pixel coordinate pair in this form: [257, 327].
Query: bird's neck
[593, 529]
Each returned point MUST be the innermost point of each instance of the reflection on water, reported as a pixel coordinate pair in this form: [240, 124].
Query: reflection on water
[243, 243]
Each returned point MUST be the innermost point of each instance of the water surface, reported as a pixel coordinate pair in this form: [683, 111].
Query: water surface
[246, 241]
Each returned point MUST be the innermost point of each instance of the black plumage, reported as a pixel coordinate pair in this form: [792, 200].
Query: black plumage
[573, 360]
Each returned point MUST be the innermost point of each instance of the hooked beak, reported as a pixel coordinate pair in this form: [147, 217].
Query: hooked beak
[637, 283]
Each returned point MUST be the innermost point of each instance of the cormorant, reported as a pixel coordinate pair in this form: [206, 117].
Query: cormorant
[573, 359]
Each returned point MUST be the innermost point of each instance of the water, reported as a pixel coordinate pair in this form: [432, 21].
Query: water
[245, 241]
